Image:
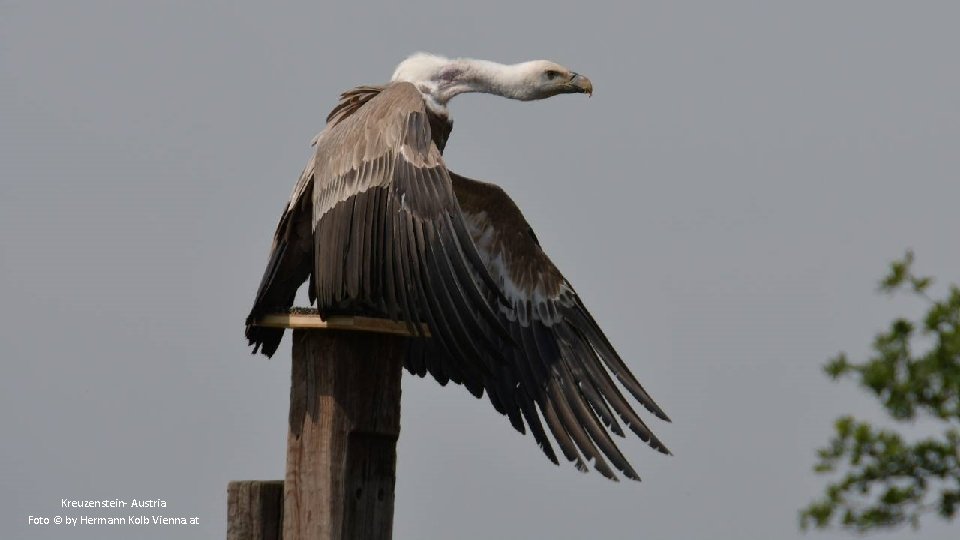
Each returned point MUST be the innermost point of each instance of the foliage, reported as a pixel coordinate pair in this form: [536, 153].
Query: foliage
[888, 480]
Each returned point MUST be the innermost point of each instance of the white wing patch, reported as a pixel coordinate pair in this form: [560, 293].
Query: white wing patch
[525, 306]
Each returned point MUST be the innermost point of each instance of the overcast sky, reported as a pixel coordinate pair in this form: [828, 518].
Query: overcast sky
[724, 204]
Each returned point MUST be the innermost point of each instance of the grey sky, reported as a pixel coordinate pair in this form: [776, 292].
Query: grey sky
[723, 204]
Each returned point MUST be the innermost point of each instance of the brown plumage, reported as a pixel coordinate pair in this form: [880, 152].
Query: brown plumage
[380, 226]
[563, 362]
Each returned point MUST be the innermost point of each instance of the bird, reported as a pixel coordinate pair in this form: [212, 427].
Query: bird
[378, 225]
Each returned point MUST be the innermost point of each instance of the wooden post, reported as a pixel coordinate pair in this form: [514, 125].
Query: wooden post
[254, 510]
[342, 444]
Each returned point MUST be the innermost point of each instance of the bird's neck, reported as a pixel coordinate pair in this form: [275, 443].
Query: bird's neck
[464, 75]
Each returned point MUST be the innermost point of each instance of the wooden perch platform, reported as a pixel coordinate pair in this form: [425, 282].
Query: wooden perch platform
[306, 318]
[344, 424]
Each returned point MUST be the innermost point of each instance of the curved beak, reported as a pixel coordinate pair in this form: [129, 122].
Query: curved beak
[581, 84]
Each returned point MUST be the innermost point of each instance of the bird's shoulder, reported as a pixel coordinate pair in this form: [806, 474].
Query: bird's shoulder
[390, 103]
[374, 122]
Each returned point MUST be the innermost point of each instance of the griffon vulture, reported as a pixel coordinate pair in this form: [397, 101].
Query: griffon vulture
[380, 226]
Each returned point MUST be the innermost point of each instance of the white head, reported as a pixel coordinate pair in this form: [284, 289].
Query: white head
[439, 79]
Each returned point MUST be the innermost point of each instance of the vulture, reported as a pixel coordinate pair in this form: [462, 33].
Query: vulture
[379, 226]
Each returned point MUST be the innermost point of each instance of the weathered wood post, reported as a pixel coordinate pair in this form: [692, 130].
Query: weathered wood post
[254, 510]
[342, 446]
[342, 441]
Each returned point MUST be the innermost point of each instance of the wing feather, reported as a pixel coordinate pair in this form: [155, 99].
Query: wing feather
[565, 368]
[288, 265]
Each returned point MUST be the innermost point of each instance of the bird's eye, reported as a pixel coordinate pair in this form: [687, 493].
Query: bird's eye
[552, 74]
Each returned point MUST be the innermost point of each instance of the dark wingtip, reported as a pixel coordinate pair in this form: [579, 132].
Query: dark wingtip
[652, 407]
[601, 467]
[265, 341]
[660, 447]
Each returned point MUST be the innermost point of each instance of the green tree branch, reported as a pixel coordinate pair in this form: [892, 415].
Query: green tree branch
[886, 481]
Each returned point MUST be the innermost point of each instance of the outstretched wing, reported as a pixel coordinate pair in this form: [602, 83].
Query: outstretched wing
[389, 236]
[564, 367]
